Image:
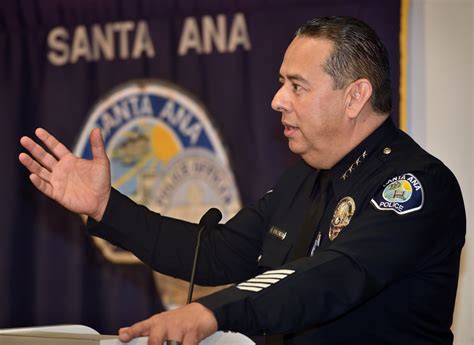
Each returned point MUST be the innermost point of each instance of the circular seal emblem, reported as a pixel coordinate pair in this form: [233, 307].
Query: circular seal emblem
[398, 191]
[164, 153]
[342, 216]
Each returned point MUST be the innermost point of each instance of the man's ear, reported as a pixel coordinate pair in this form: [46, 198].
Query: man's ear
[357, 95]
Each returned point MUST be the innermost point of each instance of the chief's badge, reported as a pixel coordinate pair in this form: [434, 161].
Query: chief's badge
[401, 194]
[342, 216]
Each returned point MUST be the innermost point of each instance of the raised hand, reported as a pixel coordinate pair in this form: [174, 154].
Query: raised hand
[80, 185]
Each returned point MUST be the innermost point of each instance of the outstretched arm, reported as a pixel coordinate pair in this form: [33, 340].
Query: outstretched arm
[80, 185]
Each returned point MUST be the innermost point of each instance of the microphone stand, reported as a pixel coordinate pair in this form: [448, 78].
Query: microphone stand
[210, 218]
[193, 272]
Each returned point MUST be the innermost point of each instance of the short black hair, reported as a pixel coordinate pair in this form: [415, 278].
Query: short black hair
[358, 53]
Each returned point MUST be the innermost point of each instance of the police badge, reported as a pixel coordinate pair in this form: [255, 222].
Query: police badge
[342, 216]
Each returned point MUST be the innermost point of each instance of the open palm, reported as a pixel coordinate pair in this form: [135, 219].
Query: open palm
[80, 185]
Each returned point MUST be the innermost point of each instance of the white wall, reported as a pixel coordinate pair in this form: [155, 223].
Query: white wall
[440, 114]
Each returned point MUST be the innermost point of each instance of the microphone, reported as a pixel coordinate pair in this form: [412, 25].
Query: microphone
[210, 218]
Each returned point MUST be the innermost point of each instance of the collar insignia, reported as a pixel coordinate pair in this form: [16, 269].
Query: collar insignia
[354, 165]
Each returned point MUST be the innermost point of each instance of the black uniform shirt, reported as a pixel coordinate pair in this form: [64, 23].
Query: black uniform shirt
[385, 271]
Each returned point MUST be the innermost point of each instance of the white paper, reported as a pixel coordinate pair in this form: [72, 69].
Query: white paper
[218, 338]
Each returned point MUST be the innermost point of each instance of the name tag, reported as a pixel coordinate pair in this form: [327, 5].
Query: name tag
[278, 233]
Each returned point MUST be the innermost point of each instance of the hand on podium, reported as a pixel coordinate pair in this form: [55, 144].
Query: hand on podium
[188, 325]
[80, 185]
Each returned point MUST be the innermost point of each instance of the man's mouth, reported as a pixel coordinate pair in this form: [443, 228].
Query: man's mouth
[289, 130]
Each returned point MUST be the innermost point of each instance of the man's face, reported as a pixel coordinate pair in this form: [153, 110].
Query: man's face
[312, 112]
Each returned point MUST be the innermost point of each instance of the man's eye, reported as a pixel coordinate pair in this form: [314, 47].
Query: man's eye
[296, 87]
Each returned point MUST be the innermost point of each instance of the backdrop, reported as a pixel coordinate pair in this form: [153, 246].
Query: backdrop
[60, 57]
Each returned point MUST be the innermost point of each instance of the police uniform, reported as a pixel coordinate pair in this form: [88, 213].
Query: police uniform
[381, 268]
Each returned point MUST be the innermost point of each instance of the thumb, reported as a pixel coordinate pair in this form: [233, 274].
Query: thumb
[97, 144]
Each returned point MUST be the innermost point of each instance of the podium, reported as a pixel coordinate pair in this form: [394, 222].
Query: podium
[83, 335]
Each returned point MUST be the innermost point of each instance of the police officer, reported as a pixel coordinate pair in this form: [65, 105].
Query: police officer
[358, 243]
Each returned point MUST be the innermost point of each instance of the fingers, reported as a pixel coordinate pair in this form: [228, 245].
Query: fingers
[189, 340]
[38, 153]
[124, 335]
[173, 332]
[158, 336]
[42, 185]
[34, 167]
[188, 325]
[157, 332]
[97, 144]
[53, 144]
[137, 330]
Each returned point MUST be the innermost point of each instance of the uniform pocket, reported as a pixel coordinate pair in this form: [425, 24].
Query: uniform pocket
[274, 252]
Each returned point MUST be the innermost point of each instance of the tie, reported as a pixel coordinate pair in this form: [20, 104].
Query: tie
[313, 216]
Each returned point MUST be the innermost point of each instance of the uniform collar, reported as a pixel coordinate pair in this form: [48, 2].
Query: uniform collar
[345, 172]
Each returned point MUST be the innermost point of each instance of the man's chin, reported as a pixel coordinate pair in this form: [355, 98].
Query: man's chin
[311, 158]
[295, 147]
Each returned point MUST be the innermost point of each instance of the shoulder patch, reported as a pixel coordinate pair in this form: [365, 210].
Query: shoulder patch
[402, 194]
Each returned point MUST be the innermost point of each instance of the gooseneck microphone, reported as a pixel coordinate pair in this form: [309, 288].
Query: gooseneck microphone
[209, 219]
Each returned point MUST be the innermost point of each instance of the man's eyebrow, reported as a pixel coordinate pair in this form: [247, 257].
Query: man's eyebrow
[295, 77]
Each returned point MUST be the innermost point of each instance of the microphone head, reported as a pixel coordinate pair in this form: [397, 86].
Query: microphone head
[211, 217]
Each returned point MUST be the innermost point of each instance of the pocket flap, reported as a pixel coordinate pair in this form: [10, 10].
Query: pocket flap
[274, 252]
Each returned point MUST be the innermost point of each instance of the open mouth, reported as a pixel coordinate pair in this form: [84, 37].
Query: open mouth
[289, 130]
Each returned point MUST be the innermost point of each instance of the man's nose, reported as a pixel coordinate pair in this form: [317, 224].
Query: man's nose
[279, 101]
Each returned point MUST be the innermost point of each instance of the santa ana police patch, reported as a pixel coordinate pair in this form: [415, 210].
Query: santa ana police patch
[402, 194]
[164, 153]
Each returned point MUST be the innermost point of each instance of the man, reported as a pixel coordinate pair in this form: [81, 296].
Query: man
[359, 243]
